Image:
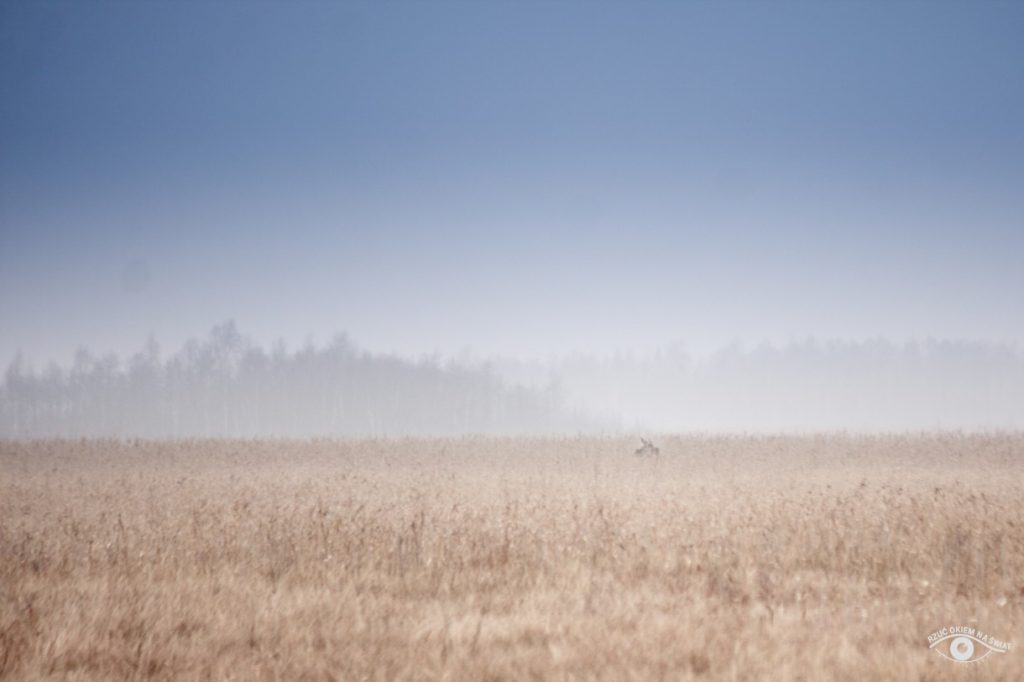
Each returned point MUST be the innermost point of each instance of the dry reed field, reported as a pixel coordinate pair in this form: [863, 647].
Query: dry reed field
[731, 558]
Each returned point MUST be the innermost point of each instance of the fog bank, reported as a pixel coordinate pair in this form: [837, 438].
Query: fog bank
[875, 385]
[228, 386]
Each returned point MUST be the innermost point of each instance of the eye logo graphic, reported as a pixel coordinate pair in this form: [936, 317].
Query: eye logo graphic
[965, 644]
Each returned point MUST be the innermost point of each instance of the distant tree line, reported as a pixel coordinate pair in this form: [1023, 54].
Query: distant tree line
[227, 386]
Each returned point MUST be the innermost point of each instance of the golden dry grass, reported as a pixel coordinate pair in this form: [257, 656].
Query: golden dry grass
[786, 558]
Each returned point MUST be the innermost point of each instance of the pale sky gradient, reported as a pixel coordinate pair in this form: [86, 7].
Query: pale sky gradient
[516, 179]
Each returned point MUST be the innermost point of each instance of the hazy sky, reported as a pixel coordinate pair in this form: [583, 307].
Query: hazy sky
[511, 178]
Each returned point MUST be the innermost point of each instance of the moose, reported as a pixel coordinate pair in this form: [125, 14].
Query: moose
[648, 450]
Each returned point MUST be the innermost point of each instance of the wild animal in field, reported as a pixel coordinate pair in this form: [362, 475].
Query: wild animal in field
[648, 450]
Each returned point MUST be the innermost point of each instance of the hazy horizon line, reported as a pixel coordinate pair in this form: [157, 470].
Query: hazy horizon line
[467, 355]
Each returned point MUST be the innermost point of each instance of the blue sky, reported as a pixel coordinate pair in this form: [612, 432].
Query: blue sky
[512, 178]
